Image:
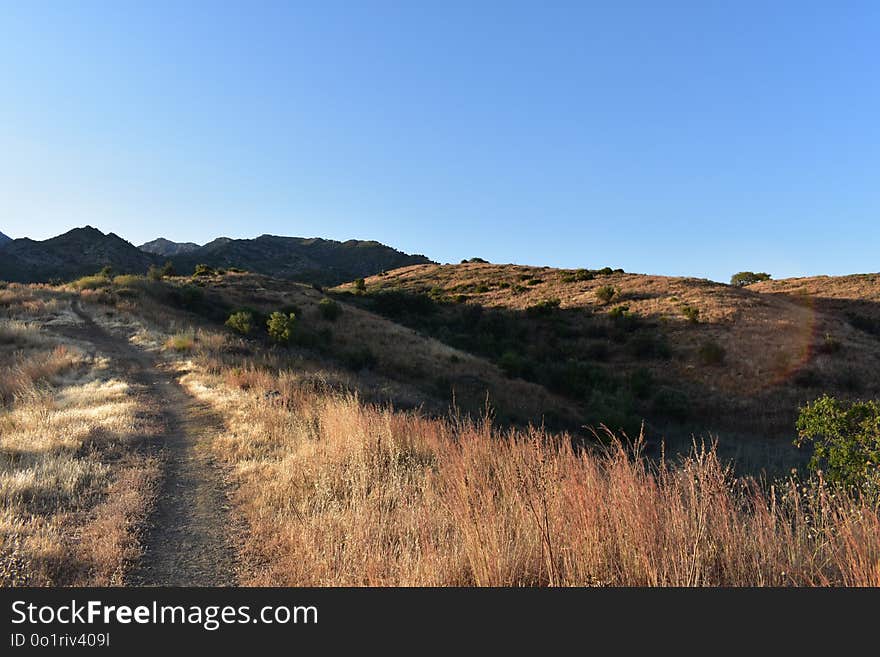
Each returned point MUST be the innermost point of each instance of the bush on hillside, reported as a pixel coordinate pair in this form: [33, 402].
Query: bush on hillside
[360, 285]
[203, 270]
[546, 307]
[280, 327]
[743, 278]
[606, 293]
[692, 313]
[241, 322]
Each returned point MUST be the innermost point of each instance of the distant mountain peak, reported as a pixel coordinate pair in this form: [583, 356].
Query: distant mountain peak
[80, 251]
[165, 247]
[4, 238]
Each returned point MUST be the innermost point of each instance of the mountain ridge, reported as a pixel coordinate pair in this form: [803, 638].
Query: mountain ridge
[86, 250]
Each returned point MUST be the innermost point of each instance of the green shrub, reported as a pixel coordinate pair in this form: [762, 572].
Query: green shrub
[535, 281]
[154, 273]
[692, 313]
[711, 353]
[744, 278]
[203, 270]
[606, 271]
[606, 293]
[106, 271]
[360, 285]
[280, 327]
[846, 440]
[168, 269]
[619, 312]
[91, 282]
[329, 309]
[546, 307]
[241, 322]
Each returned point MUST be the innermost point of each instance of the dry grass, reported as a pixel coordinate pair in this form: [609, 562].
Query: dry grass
[337, 492]
[181, 342]
[74, 487]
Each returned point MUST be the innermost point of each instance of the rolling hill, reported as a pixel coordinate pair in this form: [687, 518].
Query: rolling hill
[686, 355]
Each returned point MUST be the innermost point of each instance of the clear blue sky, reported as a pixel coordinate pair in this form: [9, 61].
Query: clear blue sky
[687, 138]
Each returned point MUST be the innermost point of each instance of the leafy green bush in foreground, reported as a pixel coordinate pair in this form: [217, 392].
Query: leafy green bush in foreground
[846, 440]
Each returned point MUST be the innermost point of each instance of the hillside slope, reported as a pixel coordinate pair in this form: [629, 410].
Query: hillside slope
[350, 348]
[674, 351]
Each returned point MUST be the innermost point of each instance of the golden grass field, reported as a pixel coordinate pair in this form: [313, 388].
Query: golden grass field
[74, 488]
[347, 476]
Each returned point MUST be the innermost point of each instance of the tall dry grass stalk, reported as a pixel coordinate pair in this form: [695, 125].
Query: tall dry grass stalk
[338, 492]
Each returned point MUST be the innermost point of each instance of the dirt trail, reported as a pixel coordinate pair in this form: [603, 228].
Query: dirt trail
[190, 540]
